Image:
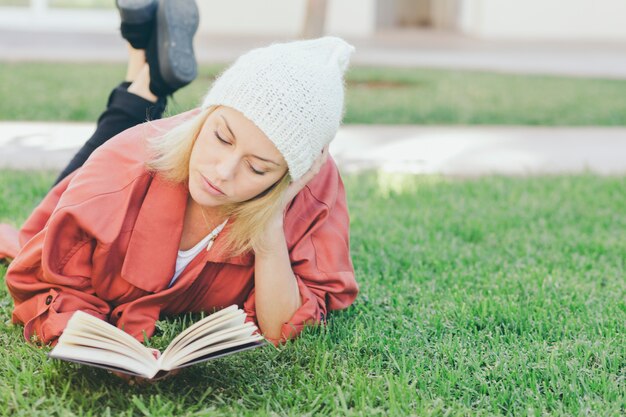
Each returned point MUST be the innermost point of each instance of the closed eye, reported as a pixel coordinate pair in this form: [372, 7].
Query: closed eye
[225, 142]
[217, 135]
[256, 171]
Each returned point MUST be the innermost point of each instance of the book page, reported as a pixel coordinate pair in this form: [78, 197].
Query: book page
[216, 351]
[100, 344]
[227, 322]
[88, 339]
[231, 320]
[239, 334]
[103, 359]
[86, 323]
[100, 334]
[210, 338]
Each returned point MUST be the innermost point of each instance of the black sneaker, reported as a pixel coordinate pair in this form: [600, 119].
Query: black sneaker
[170, 52]
[137, 20]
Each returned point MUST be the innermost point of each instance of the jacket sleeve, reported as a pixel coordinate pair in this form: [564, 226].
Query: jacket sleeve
[50, 278]
[317, 232]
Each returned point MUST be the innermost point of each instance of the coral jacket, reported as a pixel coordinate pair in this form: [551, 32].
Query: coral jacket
[105, 239]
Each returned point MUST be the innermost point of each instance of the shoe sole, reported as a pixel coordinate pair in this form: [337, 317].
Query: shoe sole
[136, 11]
[176, 24]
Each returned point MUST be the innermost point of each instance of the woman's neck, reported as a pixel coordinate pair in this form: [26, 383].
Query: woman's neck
[196, 226]
[211, 217]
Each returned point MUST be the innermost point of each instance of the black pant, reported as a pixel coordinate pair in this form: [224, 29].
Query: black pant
[124, 110]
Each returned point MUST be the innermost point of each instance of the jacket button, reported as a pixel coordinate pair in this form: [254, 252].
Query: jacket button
[48, 300]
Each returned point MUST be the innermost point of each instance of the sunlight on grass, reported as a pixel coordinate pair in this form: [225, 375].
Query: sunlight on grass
[397, 183]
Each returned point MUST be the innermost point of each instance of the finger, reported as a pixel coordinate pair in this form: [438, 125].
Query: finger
[140, 381]
[319, 163]
[296, 186]
[316, 167]
[121, 375]
[324, 156]
[155, 353]
[324, 159]
[163, 376]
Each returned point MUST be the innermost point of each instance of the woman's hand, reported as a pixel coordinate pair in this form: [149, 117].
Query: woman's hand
[296, 186]
[137, 380]
[274, 228]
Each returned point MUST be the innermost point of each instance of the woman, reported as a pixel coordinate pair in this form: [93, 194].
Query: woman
[236, 201]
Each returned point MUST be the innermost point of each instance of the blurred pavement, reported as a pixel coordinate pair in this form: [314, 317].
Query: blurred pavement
[454, 150]
[464, 151]
[399, 48]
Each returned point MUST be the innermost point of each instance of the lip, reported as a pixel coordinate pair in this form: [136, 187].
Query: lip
[212, 188]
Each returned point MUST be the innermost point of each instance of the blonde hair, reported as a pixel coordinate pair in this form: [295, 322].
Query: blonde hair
[171, 153]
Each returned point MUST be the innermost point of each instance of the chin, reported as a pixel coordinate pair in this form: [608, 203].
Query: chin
[198, 195]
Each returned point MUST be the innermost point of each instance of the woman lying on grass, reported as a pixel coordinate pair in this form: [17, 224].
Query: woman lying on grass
[234, 202]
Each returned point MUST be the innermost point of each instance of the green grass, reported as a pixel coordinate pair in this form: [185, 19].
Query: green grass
[78, 92]
[486, 297]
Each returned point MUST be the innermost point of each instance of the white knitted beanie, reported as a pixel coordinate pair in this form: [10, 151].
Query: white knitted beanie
[294, 93]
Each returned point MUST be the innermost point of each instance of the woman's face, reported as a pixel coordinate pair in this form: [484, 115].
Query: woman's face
[232, 160]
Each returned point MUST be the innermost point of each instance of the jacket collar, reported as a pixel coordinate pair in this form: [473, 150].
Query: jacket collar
[150, 258]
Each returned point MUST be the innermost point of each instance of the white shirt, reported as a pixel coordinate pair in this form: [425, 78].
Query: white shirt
[186, 256]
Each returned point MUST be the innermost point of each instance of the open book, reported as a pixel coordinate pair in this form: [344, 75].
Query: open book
[91, 341]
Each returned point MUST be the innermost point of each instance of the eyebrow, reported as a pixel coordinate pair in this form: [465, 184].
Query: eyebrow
[233, 135]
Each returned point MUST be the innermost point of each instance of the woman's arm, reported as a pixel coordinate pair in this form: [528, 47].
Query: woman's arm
[48, 284]
[51, 277]
[277, 293]
[315, 257]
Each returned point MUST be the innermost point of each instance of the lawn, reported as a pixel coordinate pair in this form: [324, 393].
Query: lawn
[78, 92]
[497, 296]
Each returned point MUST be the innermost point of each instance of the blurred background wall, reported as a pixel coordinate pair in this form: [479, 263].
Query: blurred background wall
[488, 19]
[542, 19]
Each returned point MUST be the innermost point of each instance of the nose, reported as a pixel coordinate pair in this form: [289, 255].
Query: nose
[226, 167]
